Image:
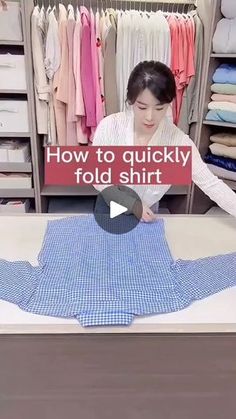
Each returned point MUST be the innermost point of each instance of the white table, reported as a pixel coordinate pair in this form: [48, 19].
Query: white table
[189, 237]
[178, 365]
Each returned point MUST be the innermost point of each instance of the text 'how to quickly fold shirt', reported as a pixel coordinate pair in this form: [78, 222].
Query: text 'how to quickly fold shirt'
[103, 279]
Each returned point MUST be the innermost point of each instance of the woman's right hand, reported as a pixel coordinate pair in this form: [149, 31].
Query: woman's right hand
[148, 216]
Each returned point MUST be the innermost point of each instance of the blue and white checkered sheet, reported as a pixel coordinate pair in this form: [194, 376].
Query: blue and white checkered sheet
[98, 278]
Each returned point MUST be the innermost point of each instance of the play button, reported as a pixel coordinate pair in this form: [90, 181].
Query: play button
[118, 209]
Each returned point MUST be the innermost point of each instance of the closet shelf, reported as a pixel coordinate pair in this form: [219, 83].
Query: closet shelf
[13, 92]
[219, 124]
[58, 190]
[13, 43]
[54, 190]
[216, 55]
[178, 190]
[17, 193]
[16, 167]
[15, 134]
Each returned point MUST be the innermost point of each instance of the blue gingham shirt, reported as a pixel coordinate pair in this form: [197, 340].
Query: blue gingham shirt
[104, 279]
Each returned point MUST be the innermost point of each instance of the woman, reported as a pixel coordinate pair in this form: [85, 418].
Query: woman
[150, 91]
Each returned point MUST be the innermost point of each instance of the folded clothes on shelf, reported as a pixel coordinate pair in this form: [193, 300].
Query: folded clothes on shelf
[223, 106]
[224, 39]
[224, 88]
[224, 138]
[228, 8]
[224, 162]
[221, 172]
[14, 151]
[221, 115]
[216, 97]
[223, 150]
[225, 73]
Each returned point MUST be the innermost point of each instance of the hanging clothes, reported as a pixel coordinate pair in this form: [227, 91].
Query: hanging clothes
[182, 63]
[71, 134]
[95, 69]
[60, 82]
[79, 100]
[100, 59]
[110, 87]
[81, 75]
[190, 104]
[139, 37]
[41, 86]
[52, 63]
[86, 71]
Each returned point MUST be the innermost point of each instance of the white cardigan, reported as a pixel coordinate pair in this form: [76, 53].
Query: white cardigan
[117, 129]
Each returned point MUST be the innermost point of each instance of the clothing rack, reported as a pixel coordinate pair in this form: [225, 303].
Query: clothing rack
[181, 6]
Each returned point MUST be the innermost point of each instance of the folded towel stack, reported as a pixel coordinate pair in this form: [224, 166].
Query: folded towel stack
[223, 100]
[221, 157]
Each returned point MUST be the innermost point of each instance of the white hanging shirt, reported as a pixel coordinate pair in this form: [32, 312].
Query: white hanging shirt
[53, 49]
[118, 130]
[140, 36]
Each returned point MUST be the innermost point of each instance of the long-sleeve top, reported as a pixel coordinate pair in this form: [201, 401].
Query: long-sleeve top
[117, 130]
[85, 273]
[41, 85]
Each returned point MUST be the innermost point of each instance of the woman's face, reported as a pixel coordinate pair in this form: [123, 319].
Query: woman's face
[148, 112]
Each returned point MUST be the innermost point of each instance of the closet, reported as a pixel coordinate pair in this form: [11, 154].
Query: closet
[180, 199]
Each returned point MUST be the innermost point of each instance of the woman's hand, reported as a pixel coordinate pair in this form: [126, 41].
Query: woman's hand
[148, 216]
[143, 212]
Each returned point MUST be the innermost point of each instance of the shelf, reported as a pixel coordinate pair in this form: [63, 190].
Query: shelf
[219, 124]
[178, 190]
[12, 43]
[16, 193]
[16, 167]
[54, 190]
[13, 92]
[14, 134]
[57, 190]
[216, 55]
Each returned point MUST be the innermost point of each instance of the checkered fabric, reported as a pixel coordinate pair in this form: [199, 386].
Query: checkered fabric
[104, 279]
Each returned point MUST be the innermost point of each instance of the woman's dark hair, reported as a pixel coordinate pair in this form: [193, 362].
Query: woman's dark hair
[156, 77]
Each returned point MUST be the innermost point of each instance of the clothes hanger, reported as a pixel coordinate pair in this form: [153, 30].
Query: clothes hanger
[145, 9]
[49, 7]
[102, 9]
[161, 7]
[165, 12]
[140, 8]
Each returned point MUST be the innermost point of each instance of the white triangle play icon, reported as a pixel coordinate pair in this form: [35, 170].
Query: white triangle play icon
[116, 209]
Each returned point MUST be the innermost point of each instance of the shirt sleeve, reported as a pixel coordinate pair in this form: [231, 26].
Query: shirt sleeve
[210, 184]
[198, 279]
[18, 281]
